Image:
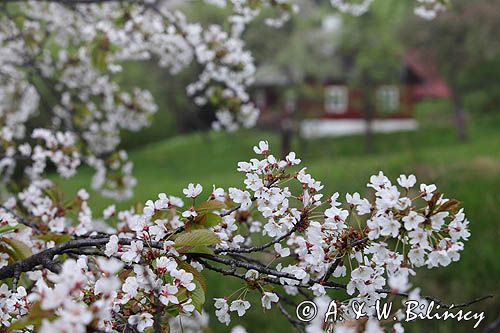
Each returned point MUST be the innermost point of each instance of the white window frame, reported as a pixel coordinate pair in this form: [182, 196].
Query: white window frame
[388, 98]
[260, 99]
[336, 99]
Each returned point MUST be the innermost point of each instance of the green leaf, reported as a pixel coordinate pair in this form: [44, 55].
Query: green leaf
[52, 194]
[7, 228]
[200, 237]
[207, 206]
[33, 317]
[198, 296]
[20, 21]
[198, 277]
[196, 249]
[8, 250]
[99, 51]
[449, 205]
[21, 250]
[208, 220]
[57, 238]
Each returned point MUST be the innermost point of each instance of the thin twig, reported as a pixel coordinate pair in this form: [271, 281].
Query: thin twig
[296, 323]
[263, 269]
[19, 218]
[69, 2]
[259, 247]
[331, 269]
[232, 210]
[45, 259]
[492, 326]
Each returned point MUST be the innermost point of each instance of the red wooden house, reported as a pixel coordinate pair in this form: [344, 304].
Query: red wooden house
[330, 108]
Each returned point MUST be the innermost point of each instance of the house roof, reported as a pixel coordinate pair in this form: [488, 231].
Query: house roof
[273, 75]
[428, 83]
[431, 83]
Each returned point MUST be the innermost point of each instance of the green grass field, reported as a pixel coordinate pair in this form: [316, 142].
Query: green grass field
[469, 172]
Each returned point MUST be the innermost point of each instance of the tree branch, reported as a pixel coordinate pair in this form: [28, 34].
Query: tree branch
[263, 269]
[20, 219]
[259, 247]
[45, 259]
[492, 326]
[69, 2]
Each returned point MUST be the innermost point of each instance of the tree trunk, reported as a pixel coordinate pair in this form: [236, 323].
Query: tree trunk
[459, 115]
[287, 125]
[286, 136]
[369, 115]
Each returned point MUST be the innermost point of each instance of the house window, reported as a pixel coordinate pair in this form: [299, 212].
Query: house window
[336, 99]
[388, 98]
[260, 99]
[290, 101]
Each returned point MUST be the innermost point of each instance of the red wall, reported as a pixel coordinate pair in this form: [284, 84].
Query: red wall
[316, 107]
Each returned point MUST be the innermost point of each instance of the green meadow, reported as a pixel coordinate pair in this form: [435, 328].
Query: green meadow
[469, 172]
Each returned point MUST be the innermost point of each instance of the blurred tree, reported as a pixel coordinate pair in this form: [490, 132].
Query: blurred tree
[371, 54]
[323, 44]
[460, 41]
[179, 113]
[303, 48]
[169, 94]
[480, 84]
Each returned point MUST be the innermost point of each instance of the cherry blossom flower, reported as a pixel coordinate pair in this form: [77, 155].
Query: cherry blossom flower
[167, 294]
[222, 310]
[291, 159]
[267, 299]
[282, 252]
[238, 329]
[412, 220]
[262, 148]
[141, 321]
[240, 197]
[192, 191]
[427, 191]
[130, 287]
[218, 194]
[191, 212]
[112, 246]
[133, 254]
[318, 290]
[407, 181]
[240, 306]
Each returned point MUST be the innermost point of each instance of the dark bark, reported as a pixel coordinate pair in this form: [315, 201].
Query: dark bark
[45, 259]
[459, 115]
[286, 136]
[369, 112]
[493, 326]
[287, 125]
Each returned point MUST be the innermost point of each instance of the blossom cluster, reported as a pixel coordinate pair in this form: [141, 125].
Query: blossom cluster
[429, 9]
[150, 264]
[377, 243]
[61, 102]
[58, 64]
[65, 267]
[351, 7]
